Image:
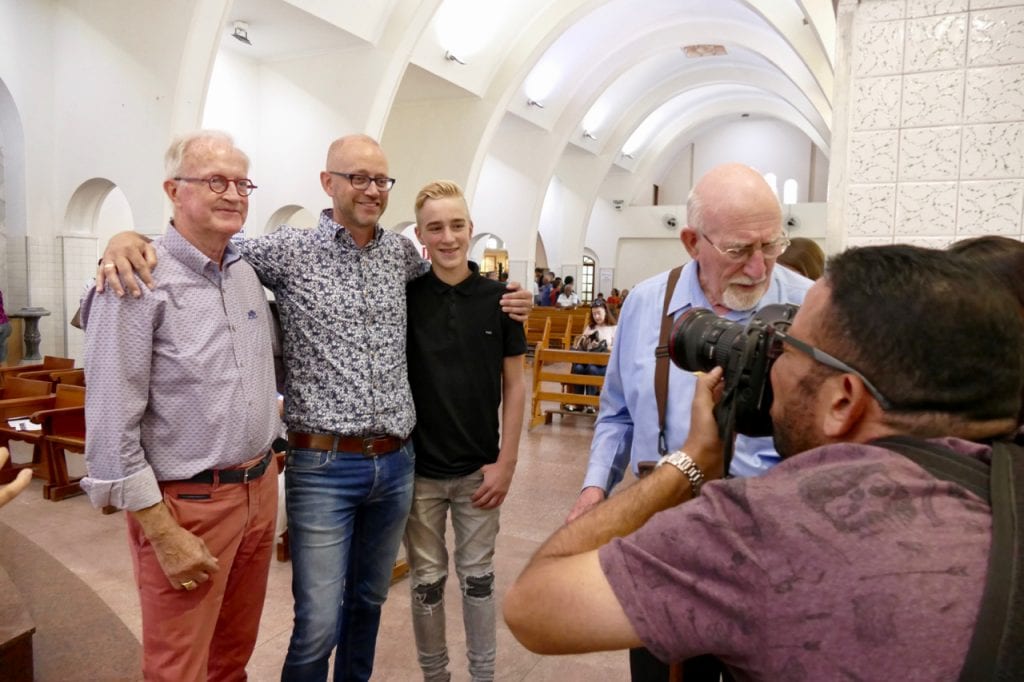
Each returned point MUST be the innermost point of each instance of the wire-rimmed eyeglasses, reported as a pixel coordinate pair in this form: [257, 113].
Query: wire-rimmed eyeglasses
[742, 253]
[360, 181]
[219, 184]
[824, 358]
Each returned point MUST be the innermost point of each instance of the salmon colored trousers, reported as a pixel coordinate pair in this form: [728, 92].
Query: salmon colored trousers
[208, 633]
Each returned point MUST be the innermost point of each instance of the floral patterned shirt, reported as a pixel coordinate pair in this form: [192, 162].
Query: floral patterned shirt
[343, 320]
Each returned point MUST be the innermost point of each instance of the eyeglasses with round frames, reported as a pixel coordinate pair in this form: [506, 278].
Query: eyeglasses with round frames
[780, 337]
[219, 184]
[361, 182]
[741, 254]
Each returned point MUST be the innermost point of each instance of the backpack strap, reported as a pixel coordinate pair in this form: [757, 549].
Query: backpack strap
[942, 463]
[997, 645]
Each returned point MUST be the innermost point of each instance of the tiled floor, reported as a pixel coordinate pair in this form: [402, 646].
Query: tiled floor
[552, 461]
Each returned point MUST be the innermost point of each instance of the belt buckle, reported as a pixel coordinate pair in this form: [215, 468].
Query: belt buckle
[368, 447]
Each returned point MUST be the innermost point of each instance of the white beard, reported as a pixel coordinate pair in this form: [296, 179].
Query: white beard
[738, 299]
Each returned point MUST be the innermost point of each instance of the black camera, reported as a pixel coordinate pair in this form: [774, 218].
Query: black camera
[701, 340]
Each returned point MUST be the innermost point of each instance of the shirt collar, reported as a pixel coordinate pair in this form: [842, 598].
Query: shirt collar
[338, 231]
[466, 287]
[193, 258]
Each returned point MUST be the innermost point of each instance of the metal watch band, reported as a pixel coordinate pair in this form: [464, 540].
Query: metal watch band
[682, 461]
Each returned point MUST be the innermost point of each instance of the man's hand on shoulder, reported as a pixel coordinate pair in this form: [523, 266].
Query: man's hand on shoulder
[517, 303]
[589, 498]
[126, 253]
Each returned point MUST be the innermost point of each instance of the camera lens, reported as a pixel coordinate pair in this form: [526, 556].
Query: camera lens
[701, 340]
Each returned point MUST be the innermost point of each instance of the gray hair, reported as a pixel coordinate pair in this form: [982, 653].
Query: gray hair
[695, 210]
[179, 147]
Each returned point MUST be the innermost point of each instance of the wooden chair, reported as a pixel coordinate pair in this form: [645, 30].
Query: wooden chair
[19, 398]
[63, 431]
[50, 362]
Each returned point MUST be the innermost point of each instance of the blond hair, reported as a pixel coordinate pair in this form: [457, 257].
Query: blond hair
[439, 189]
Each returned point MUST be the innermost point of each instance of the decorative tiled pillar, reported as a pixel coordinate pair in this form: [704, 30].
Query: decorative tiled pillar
[929, 129]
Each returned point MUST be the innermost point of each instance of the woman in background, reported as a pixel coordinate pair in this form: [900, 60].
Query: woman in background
[804, 256]
[597, 336]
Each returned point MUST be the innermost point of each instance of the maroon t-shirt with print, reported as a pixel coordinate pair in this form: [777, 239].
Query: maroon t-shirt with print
[847, 562]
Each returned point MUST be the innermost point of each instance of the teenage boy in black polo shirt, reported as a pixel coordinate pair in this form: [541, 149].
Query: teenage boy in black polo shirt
[465, 359]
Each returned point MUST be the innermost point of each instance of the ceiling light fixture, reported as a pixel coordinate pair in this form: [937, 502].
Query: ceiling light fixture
[627, 156]
[452, 58]
[241, 32]
[534, 103]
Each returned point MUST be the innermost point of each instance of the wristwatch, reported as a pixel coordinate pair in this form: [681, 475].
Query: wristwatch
[682, 461]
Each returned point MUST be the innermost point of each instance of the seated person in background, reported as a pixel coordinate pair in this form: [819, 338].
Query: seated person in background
[847, 560]
[614, 301]
[567, 298]
[555, 292]
[465, 361]
[598, 336]
[543, 297]
[805, 257]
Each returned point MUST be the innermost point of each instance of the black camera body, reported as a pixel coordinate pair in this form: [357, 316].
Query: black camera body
[700, 341]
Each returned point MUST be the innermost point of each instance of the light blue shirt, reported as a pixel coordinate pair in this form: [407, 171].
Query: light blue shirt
[627, 425]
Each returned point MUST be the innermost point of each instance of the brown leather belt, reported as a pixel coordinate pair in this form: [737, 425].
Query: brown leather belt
[368, 446]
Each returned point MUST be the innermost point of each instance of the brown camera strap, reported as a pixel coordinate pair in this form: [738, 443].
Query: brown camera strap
[661, 363]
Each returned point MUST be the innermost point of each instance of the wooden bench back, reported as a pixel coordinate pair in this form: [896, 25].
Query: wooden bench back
[543, 372]
[16, 387]
[69, 395]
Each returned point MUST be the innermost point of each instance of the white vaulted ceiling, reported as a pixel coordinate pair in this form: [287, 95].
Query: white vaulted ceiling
[613, 68]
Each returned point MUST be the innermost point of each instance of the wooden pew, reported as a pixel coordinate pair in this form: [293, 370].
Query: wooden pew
[63, 431]
[565, 325]
[543, 372]
[50, 362]
[19, 398]
[71, 376]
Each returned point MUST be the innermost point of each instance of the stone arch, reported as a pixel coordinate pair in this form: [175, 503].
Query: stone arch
[290, 214]
[85, 204]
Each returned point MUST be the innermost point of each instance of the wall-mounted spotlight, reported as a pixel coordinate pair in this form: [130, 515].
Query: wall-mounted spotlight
[534, 103]
[241, 32]
[627, 156]
[587, 135]
[452, 58]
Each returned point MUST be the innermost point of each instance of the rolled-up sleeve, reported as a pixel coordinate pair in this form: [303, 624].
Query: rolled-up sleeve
[118, 358]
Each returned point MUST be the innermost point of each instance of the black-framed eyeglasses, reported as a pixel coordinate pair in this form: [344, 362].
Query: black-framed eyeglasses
[829, 361]
[219, 184]
[360, 181]
[741, 254]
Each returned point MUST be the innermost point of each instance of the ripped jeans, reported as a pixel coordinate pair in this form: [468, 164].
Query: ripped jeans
[427, 553]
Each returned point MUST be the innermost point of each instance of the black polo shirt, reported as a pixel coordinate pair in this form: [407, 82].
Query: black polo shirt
[457, 345]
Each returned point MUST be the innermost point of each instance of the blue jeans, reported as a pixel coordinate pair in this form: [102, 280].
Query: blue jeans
[475, 533]
[346, 514]
[593, 370]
